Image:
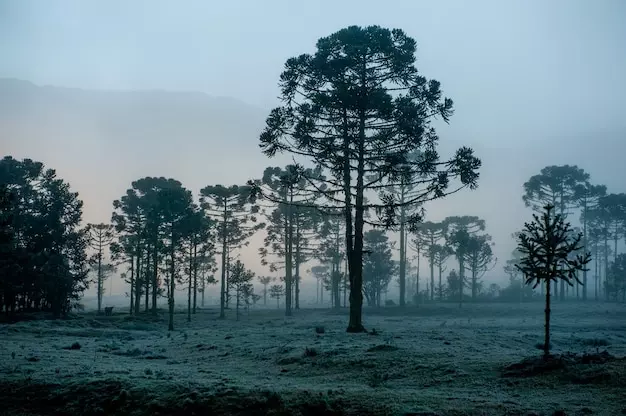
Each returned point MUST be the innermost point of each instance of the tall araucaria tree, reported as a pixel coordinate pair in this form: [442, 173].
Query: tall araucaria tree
[332, 250]
[428, 235]
[233, 209]
[460, 232]
[546, 245]
[406, 191]
[480, 259]
[100, 236]
[291, 222]
[357, 108]
[587, 196]
[176, 204]
[378, 266]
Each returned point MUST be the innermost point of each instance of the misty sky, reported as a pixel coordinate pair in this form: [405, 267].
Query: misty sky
[523, 74]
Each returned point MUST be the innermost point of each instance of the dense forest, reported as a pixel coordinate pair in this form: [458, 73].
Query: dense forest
[359, 119]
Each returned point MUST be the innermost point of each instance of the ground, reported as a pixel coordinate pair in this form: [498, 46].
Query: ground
[431, 360]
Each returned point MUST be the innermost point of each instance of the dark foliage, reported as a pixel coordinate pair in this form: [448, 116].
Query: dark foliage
[43, 265]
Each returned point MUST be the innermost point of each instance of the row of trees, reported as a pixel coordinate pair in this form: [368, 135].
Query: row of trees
[357, 117]
[602, 224]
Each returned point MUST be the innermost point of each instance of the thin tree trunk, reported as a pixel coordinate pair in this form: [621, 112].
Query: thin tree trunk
[100, 276]
[189, 283]
[155, 274]
[288, 255]
[172, 282]
[223, 282]
[132, 283]
[195, 276]
[203, 281]
[402, 249]
[237, 306]
[546, 344]
[297, 268]
[148, 278]
[461, 281]
[138, 282]
[585, 247]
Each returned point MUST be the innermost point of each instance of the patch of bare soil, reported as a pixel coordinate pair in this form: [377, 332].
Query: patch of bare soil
[109, 397]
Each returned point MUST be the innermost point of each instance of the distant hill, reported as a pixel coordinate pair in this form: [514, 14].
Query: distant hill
[102, 140]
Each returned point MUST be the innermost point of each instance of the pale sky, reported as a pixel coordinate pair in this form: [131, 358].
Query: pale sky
[527, 76]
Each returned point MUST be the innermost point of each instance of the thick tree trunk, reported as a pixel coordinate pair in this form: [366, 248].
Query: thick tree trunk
[355, 323]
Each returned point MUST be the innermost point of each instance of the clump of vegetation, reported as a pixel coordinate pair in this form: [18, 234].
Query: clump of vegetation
[382, 347]
[310, 352]
[541, 346]
[377, 379]
[596, 342]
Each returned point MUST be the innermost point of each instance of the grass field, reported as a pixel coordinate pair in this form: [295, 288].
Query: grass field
[431, 360]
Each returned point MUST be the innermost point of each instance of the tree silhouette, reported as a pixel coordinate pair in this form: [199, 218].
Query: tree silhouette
[176, 204]
[459, 236]
[428, 235]
[265, 281]
[291, 223]
[332, 250]
[44, 261]
[547, 245]
[100, 236]
[480, 259]
[233, 209]
[587, 196]
[378, 266]
[357, 108]
[441, 253]
[276, 292]
[241, 279]
[617, 278]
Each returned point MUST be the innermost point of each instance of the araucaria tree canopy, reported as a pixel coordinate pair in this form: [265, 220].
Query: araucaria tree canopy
[356, 109]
